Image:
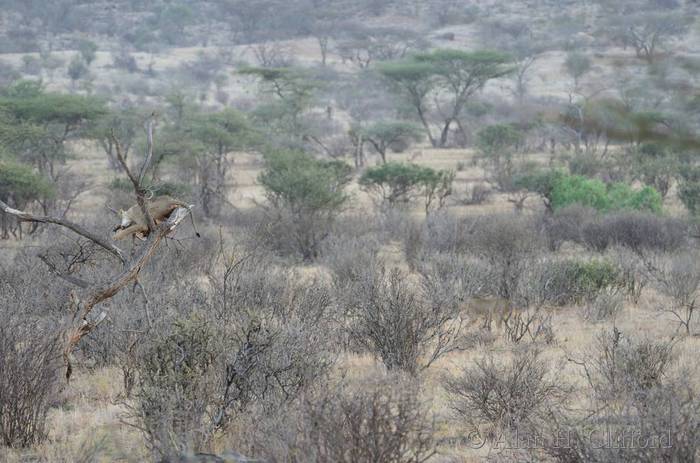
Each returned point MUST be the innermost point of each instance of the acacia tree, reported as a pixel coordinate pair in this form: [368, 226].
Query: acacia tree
[394, 135]
[362, 45]
[399, 183]
[35, 126]
[577, 65]
[217, 135]
[325, 26]
[643, 27]
[413, 81]
[450, 77]
[288, 92]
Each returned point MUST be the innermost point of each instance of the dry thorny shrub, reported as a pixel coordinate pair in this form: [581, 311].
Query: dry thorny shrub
[621, 366]
[259, 338]
[678, 278]
[365, 420]
[504, 395]
[636, 406]
[254, 340]
[394, 319]
[508, 244]
[30, 349]
[30, 379]
[633, 405]
[639, 232]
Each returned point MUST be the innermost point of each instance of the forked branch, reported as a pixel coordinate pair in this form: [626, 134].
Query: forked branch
[137, 182]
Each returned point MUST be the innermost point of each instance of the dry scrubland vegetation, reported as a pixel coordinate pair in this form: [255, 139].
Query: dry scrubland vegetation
[431, 231]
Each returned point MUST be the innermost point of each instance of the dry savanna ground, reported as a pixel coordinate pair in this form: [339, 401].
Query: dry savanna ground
[92, 417]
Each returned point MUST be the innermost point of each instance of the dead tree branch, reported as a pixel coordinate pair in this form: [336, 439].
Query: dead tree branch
[91, 295]
[108, 290]
[65, 276]
[138, 182]
[74, 227]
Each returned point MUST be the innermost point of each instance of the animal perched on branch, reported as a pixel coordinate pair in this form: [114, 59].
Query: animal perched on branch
[134, 223]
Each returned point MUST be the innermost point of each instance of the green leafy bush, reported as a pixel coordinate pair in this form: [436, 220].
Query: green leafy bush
[622, 196]
[575, 189]
[174, 386]
[298, 181]
[306, 195]
[576, 281]
[497, 144]
[560, 190]
[689, 189]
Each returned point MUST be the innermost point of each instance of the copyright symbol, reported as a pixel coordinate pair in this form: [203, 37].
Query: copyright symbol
[474, 440]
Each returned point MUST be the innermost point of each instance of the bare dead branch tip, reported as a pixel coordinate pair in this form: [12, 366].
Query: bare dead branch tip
[28, 217]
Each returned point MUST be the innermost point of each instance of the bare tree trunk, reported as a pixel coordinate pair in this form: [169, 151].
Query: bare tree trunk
[445, 133]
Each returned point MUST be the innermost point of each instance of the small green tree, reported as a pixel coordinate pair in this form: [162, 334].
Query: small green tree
[394, 135]
[497, 144]
[437, 186]
[88, 51]
[287, 92]
[577, 65]
[541, 182]
[216, 136]
[20, 186]
[397, 183]
[77, 69]
[393, 182]
[307, 195]
[655, 165]
[689, 189]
